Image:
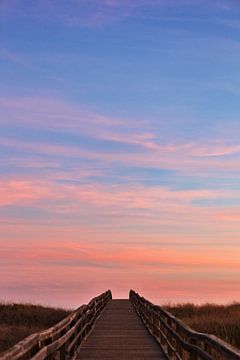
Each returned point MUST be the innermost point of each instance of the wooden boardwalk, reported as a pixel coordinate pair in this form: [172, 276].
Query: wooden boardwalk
[109, 329]
[119, 334]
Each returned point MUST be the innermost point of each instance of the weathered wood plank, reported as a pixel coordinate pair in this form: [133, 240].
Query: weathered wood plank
[120, 334]
[54, 342]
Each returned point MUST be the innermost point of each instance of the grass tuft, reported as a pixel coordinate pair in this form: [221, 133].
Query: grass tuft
[18, 321]
[222, 321]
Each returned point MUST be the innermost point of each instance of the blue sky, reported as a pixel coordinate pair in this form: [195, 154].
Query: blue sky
[119, 135]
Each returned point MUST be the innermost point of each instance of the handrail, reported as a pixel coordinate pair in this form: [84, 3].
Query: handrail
[178, 340]
[63, 340]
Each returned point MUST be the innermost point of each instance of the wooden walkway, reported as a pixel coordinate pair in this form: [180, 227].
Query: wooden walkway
[119, 334]
[109, 329]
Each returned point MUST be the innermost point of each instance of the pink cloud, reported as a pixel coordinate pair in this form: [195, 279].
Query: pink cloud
[21, 192]
[230, 215]
[99, 211]
[117, 255]
[60, 270]
[102, 196]
[171, 158]
[217, 150]
[52, 113]
[188, 158]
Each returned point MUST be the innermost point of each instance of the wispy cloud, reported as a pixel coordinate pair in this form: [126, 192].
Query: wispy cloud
[146, 146]
[218, 150]
[97, 12]
[115, 205]
[176, 158]
[52, 113]
[156, 268]
[25, 62]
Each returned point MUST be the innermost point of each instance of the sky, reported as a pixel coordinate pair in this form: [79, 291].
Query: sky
[119, 150]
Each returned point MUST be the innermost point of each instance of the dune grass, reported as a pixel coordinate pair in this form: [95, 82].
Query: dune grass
[18, 321]
[220, 320]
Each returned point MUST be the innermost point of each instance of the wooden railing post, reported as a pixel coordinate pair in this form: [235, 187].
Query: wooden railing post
[194, 355]
[62, 352]
[62, 340]
[177, 340]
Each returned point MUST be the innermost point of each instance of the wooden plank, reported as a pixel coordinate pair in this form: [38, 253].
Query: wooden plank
[49, 343]
[120, 334]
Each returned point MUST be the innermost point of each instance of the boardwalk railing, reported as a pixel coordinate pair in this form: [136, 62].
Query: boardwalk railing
[177, 340]
[62, 341]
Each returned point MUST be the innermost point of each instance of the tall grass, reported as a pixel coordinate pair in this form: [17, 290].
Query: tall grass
[20, 320]
[220, 320]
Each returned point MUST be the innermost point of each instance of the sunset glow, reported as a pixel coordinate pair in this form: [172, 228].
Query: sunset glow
[119, 150]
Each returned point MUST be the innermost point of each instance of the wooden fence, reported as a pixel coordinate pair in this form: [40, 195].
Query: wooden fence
[62, 341]
[177, 340]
